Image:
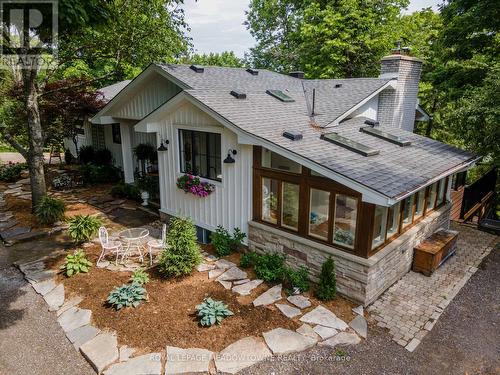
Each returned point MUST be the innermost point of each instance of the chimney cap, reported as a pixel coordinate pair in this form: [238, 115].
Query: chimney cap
[297, 74]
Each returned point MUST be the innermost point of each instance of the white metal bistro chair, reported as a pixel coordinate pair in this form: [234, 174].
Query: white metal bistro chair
[109, 246]
[157, 243]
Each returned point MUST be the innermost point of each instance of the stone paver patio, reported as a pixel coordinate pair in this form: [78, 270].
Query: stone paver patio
[411, 307]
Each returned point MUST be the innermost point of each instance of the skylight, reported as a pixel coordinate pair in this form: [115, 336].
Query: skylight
[349, 144]
[278, 94]
[385, 136]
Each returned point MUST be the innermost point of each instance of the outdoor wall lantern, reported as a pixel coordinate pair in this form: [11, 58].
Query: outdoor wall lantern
[162, 146]
[230, 159]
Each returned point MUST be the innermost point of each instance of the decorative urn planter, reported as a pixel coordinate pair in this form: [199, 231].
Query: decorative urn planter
[145, 198]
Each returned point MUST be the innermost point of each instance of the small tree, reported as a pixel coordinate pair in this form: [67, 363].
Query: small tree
[183, 252]
[327, 287]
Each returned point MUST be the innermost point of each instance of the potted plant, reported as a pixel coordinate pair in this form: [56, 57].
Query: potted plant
[143, 152]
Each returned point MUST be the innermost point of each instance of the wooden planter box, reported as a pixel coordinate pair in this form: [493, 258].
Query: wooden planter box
[434, 251]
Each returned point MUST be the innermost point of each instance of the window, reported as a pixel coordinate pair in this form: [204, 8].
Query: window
[379, 225]
[270, 200]
[290, 206]
[441, 192]
[419, 203]
[200, 154]
[275, 161]
[349, 144]
[117, 136]
[408, 211]
[344, 227]
[431, 196]
[393, 220]
[319, 214]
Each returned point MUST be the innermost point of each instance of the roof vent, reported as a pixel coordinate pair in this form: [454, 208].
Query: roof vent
[253, 72]
[197, 68]
[372, 123]
[338, 85]
[297, 74]
[292, 135]
[278, 94]
[238, 94]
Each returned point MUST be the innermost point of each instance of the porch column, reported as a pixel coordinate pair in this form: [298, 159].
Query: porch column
[128, 161]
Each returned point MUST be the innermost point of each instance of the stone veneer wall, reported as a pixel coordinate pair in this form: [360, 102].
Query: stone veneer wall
[359, 279]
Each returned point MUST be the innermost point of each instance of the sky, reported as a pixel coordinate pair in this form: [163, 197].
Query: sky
[217, 25]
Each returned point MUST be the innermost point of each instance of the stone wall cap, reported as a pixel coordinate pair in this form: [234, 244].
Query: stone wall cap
[402, 57]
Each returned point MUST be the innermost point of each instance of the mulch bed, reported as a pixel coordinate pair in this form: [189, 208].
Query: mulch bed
[168, 317]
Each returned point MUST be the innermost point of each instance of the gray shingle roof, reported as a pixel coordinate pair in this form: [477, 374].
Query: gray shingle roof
[109, 92]
[393, 172]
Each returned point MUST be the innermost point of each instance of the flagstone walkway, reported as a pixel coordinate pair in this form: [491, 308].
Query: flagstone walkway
[411, 307]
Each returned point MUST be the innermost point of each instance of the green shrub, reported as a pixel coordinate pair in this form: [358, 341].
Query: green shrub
[11, 172]
[183, 252]
[83, 228]
[99, 173]
[103, 157]
[50, 210]
[140, 276]
[86, 154]
[224, 243]
[128, 191]
[76, 263]
[296, 279]
[327, 286]
[249, 259]
[270, 267]
[127, 295]
[212, 312]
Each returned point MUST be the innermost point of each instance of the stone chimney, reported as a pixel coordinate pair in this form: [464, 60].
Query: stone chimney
[396, 107]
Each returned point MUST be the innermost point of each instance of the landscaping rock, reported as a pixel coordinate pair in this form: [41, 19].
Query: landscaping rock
[288, 311]
[14, 232]
[325, 332]
[74, 318]
[210, 257]
[270, 296]
[358, 310]
[26, 235]
[69, 304]
[246, 289]
[241, 354]
[32, 267]
[214, 273]
[8, 224]
[412, 345]
[359, 325]
[238, 282]
[233, 273]
[306, 330]
[5, 216]
[205, 267]
[149, 364]
[43, 287]
[226, 284]
[182, 361]
[300, 301]
[81, 335]
[225, 264]
[55, 298]
[103, 264]
[101, 351]
[125, 353]
[342, 338]
[324, 317]
[284, 341]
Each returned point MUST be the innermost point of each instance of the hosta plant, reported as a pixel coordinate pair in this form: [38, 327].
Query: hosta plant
[76, 263]
[211, 312]
[140, 276]
[127, 295]
[83, 228]
[50, 210]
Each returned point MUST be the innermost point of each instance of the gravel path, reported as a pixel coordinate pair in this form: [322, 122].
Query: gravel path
[465, 340]
[31, 340]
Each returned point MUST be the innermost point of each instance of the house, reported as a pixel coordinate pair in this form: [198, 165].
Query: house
[308, 168]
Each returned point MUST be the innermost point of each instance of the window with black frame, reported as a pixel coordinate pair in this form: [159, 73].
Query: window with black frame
[200, 154]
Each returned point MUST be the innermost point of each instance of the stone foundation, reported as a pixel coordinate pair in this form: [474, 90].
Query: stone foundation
[359, 279]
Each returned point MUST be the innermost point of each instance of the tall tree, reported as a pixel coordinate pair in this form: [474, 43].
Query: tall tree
[111, 38]
[226, 58]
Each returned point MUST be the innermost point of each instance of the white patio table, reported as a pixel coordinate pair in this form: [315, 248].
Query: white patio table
[134, 238]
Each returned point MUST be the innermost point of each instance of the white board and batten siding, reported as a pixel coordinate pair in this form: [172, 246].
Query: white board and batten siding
[230, 205]
[369, 109]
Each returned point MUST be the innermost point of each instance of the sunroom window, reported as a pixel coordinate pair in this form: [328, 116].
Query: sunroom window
[419, 203]
[319, 213]
[290, 206]
[441, 192]
[393, 220]
[431, 196]
[273, 160]
[344, 226]
[200, 154]
[379, 225]
[408, 211]
[270, 200]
